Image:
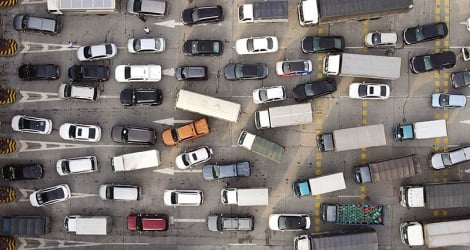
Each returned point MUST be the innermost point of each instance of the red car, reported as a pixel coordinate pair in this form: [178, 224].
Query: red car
[147, 222]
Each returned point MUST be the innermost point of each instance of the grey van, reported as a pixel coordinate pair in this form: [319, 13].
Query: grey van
[26, 23]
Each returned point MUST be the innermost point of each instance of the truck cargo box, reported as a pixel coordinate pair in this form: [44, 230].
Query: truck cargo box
[388, 170]
[359, 137]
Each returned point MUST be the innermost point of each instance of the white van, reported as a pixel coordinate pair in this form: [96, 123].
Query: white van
[88, 225]
[208, 106]
[78, 165]
[119, 192]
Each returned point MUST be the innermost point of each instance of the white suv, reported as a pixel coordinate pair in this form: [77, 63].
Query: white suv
[78, 165]
[138, 73]
[183, 197]
[78, 92]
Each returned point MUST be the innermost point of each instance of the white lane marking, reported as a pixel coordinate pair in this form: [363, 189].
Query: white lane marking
[172, 171]
[189, 220]
[171, 121]
[35, 47]
[44, 146]
[465, 122]
[169, 23]
[33, 96]
[60, 244]
[25, 193]
[33, 1]
[110, 96]
[169, 72]
[242, 244]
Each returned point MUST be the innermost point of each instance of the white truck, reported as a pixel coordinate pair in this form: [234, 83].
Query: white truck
[77, 7]
[436, 195]
[362, 238]
[319, 185]
[261, 146]
[88, 225]
[135, 161]
[436, 234]
[265, 11]
[420, 130]
[282, 116]
[245, 196]
[352, 138]
[365, 66]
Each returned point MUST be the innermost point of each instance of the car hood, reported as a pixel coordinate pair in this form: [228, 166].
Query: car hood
[274, 221]
[64, 130]
[436, 161]
[307, 43]
[229, 71]
[187, 16]
[354, 90]
[126, 96]
[116, 133]
[180, 163]
[18, 22]
[299, 92]
[33, 200]
[458, 79]
[417, 64]
[207, 172]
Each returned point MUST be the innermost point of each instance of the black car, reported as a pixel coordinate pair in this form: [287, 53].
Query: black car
[22, 172]
[203, 48]
[305, 91]
[194, 73]
[133, 135]
[315, 44]
[28, 72]
[26, 23]
[238, 71]
[209, 14]
[89, 73]
[140, 96]
[430, 62]
[460, 79]
[425, 33]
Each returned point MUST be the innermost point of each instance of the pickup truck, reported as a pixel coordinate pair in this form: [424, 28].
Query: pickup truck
[193, 130]
[353, 214]
[219, 223]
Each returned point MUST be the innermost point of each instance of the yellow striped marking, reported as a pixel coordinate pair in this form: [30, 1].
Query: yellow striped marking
[317, 229]
[364, 121]
[436, 213]
[318, 172]
[319, 75]
[362, 196]
[317, 221]
[363, 188]
[438, 18]
[317, 204]
[364, 103]
[318, 164]
[444, 212]
[317, 212]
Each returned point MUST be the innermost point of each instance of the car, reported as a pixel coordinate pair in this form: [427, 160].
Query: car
[289, 222]
[370, 91]
[430, 62]
[220, 171]
[322, 44]
[294, 68]
[256, 45]
[465, 53]
[109, 192]
[29, 72]
[141, 96]
[89, 73]
[444, 100]
[146, 45]
[203, 48]
[29, 124]
[460, 79]
[310, 90]
[34, 24]
[191, 73]
[96, 52]
[48, 196]
[186, 132]
[80, 132]
[133, 135]
[138, 73]
[158, 8]
[269, 94]
[77, 165]
[183, 197]
[18, 172]
[220, 223]
[71, 91]
[423, 33]
[377, 39]
[238, 71]
[147, 222]
[193, 157]
[450, 158]
[208, 14]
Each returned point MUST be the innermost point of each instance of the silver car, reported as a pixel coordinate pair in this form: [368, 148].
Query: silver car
[450, 158]
[157, 8]
[96, 52]
[443, 100]
[145, 45]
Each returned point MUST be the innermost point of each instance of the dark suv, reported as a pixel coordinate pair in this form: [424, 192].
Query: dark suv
[430, 62]
[22, 172]
[28, 72]
[25, 23]
[140, 96]
[133, 135]
[203, 48]
[89, 73]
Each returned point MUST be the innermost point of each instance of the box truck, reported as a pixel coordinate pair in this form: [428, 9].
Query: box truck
[387, 170]
[245, 196]
[261, 146]
[264, 11]
[352, 138]
[436, 195]
[135, 161]
[88, 225]
[77, 7]
[420, 130]
[353, 214]
[319, 185]
[350, 239]
[25, 225]
[282, 116]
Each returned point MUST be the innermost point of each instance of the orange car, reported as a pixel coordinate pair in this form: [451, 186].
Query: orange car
[173, 136]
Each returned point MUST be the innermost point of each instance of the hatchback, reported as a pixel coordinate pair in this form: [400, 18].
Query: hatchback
[27, 23]
[377, 39]
[141, 96]
[29, 72]
[147, 222]
[443, 100]
[50, 195]
[133, 135]
[294, 68]
[450, 158]
[208, 14]
[203, 48]
[29, 124]
[317, 44]
[269, 94]
[145, 45]
[238, 71]
[289, 222]
[96, 52]
[183, 197]
[460, 79]
[191, 73]
[423, 33]
[89, 73]
[430, 62]
[77, 165]
[305, 91]
[22, 172]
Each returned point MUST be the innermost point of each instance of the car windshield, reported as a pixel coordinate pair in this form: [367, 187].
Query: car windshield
[250, 45]
[362, 90]
[309, 90]
[216, 47]
[263, 95]
[137, 5]
[419, 33]
[195, 15]
[109, 49]
[87, 52]
[466, 77]
[68, 90]
[270, 42]
[444, 100]
[440, 29]
[376, 38]
[291, 222]
[72, 131]
[136, 44]
[216, 171]
[65, 167]
[138, 223]
[427, 62]
[174, 135]
[185, 161]
[174, 198]
[185, 72]
[238, 71]
[12, 173]
[446, 159]
[127, 72]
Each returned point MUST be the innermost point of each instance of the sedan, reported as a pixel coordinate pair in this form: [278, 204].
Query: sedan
[29, 72]
[22, 172]
[183, 197]
[310, 90]
[216, 171]
[29, 124]
[294, 68]
[443, 100]
[141, 96]
[269, 94]
[256, 45]
[191, 73]
[369, 91]
[289, 222]
[430, 62]
[96, 52]
[450, 158]
[147, 222]
[89, 73]
[460, 79]
[238, 71]
[145, 45]
[138, 73]
[316, 44]
[50, 195]
[203, 48]
[133, 135]
[209, 14]
[80, 132]
[423, 33]
[193, 157]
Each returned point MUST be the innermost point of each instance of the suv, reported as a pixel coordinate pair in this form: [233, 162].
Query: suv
[140, 96]
[157, 8]
[219, 223]
[183, 197]
[147, 222]
[22, 172]
[89, 73]
[191, 73]
[133, 135]
[29, 72]
[193, 157]
[203, 48]
[78, 165]
[119, 192]
[26, 23]
[78, 92]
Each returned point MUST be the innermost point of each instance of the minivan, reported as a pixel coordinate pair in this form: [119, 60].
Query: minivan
[26, 23]
[119, 192]
[88, 225]
[78, 165]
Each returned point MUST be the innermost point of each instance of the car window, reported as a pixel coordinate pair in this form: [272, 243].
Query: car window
[427, 62]
[137, 5]
[250, 45]
[87, 52]
[419, 33]
[270, 43]
[127, 72]
[216, 47]
[446, 159]
[440, 29]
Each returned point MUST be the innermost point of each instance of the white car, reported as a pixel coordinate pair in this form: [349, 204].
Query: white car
[466, 53]
[289, 222]
[369, 91]
[138, 73]
[193, 157]
[145, 45]
[376, 39]
[96, 52]
[29, 124]
[183, 197]
[269, 94]
[70, 91]
[77, 165]
[256, 45]
[80, 132]
[50, 195]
